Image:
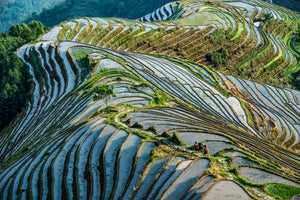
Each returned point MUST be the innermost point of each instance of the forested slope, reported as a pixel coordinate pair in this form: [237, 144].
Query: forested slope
[15, 80]
[290, 4]
[13, 12]
[130, 9]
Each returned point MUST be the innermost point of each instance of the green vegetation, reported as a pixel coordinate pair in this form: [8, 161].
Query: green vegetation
[218, 57]
[110, 120]
[108, 109]
[141, 84]
[239, 53]
[217, 36]
[15, 80]
[245, 182]
[217, 167]
[63, 32]
[267, 17]
[175, 139]
[35, 62]
[247, 108]
[102, 91]
[296, 42]
[159, 99]
[163, 151]
[106, 72]
[19, 10]
[281, 191]
[85, 65]
[14, 12]
[74, 32]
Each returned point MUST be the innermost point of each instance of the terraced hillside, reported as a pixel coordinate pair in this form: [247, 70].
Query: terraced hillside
[106, 122]
[248, 39]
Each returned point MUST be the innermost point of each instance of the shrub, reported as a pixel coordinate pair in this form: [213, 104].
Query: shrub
[267, 17]
[218, 57]
[102, 91]
[175, 139]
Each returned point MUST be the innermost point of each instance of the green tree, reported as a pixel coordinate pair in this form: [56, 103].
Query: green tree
[26, 32]
[15, 79]
[37, 28]
[267, 17]
[218, 57]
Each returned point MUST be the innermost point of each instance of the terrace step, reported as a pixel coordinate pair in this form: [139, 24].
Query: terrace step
[164, 176]
[141, 161]
[227, 190]
[125, 163]
[203, 180]
[189, 138]
[150, 174]
[110, 155]
[179, 169]
[202, 190]
[96, 150]
[259, 176]
[187, 179]
[242, 161]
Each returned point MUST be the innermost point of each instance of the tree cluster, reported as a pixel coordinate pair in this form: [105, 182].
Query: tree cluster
[102, 91]
[218, 57]
[15, 80]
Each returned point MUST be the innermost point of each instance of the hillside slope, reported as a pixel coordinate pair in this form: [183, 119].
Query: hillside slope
[232, 37]
[106, 122]
[72, 136]
[120, 8]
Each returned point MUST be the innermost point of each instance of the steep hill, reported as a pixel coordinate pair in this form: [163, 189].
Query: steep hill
[106, 122]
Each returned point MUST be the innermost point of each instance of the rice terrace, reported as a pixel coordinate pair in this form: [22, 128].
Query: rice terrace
[118, 104]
